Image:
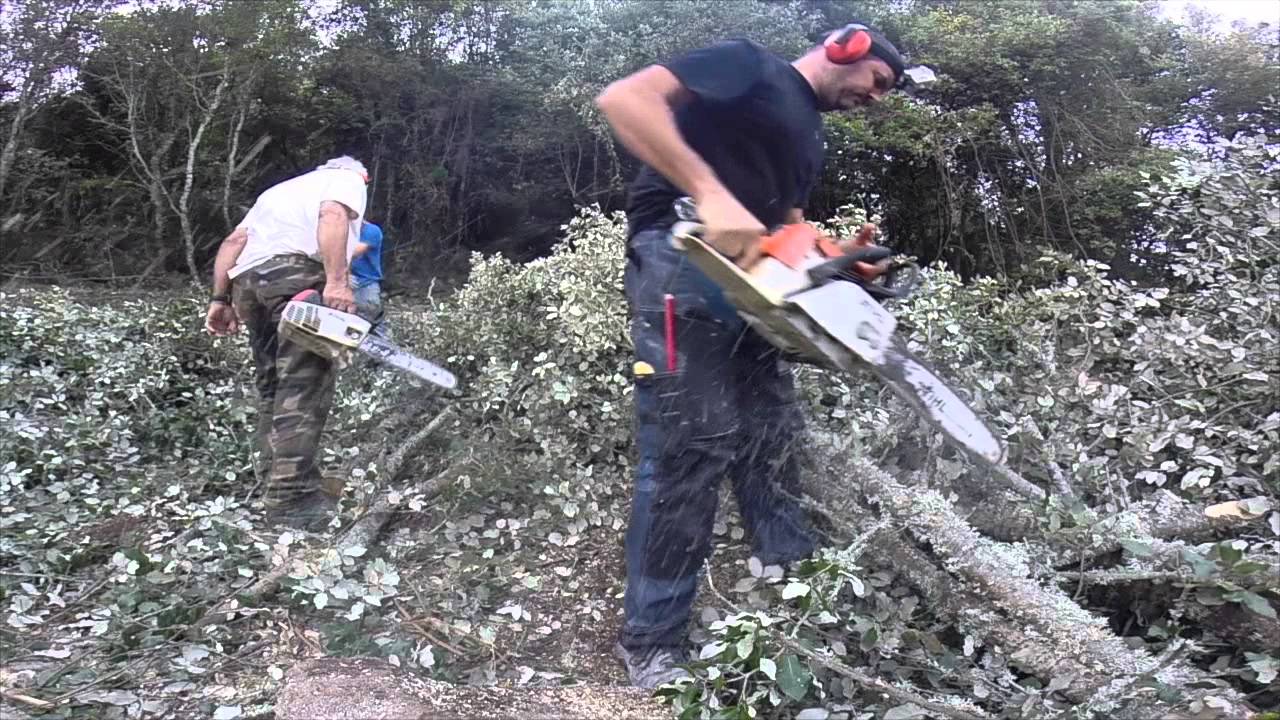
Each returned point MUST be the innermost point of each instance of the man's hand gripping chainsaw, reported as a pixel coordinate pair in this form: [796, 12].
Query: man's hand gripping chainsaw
[335, 334]
[810, 299]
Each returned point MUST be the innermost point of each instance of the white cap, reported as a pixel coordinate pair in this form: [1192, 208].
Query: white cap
[346, 162]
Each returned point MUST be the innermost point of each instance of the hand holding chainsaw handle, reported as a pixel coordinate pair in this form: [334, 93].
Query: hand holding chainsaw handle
[730, 228]
[856, 259]
[338, 296]
[869, 271]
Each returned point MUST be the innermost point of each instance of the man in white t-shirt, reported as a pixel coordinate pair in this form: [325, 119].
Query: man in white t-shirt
[299, 235]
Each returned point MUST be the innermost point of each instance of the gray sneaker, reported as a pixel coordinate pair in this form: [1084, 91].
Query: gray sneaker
[653, 666]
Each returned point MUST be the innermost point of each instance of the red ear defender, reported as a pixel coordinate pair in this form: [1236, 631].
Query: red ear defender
[848, 45]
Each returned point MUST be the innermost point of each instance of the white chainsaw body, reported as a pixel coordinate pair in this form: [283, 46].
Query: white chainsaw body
[818, 323]
[836, 324]
[322, 330]
[335, 335]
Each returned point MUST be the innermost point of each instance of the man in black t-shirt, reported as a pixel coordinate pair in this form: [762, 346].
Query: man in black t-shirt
[738, 129]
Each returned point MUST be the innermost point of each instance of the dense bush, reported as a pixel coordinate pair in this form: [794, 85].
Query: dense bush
[544, 353]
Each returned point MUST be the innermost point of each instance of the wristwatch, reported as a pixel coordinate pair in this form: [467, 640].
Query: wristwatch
[223, 298]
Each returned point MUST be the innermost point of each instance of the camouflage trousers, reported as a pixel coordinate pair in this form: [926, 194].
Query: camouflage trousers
[295, 386]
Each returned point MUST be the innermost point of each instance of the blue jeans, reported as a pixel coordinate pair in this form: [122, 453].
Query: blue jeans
[369, 306]
[728, 408]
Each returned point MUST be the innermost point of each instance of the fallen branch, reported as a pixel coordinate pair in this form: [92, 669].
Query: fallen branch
[1001, 518]
[867, 682]
[1163, 516]
[1167, 563]
[1018, 484]
[361, 533]
[1122, 576]
[1039, 627]
[1000, 572]
[950, 599]
[1109, 696]
[397, 458]
[876, 684]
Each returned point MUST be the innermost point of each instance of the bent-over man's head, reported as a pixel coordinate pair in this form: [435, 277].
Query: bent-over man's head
[854, 67]
[346, 162]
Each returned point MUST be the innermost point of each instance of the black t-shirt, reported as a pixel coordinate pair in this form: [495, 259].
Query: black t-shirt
[754, 120]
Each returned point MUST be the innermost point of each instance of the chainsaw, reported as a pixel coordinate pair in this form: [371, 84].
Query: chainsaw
[809, 298]
[335, 335]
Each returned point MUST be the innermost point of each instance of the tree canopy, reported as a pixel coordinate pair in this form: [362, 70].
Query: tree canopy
[136, 134]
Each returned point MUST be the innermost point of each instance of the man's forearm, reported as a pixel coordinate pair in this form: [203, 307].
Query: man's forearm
[332, 239]
[228, 253]
[646, 126]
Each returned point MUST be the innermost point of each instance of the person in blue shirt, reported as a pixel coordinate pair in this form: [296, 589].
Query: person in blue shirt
[366, 278]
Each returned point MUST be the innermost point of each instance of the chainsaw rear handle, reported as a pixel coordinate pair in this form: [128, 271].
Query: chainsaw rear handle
[313, 296]
[310, 295]
[845, 264]
[895, 283]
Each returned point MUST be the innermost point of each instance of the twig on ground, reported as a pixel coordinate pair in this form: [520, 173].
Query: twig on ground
[416, 625]
[25, 699]
[126, 670]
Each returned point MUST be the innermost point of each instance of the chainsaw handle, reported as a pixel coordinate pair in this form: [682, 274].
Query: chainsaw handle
[895, 283]
[891, 285]
[844, 264]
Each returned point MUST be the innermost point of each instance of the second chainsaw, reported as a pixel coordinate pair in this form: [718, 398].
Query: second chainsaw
[335, 334]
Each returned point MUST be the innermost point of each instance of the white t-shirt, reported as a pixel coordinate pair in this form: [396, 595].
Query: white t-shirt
[284, 219]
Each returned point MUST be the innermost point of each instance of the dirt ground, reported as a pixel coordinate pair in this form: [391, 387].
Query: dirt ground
[575, 618]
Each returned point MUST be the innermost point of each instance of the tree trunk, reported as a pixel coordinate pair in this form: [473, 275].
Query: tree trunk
[184, 213]
[156, 191]
[10, 152]
[231, 163]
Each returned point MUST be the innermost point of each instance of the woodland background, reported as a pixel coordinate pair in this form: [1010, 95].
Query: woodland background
[136, 134]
